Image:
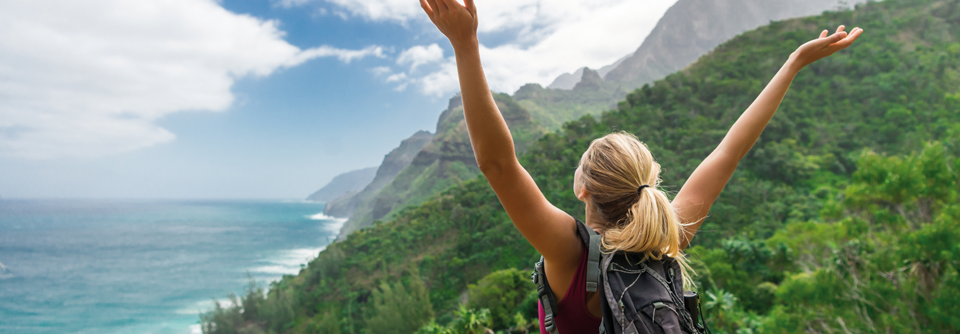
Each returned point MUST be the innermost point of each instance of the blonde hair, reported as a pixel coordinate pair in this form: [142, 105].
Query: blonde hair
[643, 221]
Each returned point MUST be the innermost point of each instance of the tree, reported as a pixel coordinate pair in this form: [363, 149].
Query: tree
[471, 321]
[501, 292]
[398, 308]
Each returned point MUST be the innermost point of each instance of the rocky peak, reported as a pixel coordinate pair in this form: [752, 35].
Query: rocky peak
[589, 81]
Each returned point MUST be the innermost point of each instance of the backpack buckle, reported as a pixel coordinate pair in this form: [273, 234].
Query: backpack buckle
[548, 322]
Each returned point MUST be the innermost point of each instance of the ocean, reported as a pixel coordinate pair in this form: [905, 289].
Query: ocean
[144, 266]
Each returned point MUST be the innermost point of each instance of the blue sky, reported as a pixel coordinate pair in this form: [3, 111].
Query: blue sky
[256, 98]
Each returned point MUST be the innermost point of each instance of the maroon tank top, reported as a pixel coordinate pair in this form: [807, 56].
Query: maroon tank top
[572, 316]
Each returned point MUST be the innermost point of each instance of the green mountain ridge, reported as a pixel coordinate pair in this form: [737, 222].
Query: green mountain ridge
[446, 160]
[393, 163]
[687, 30]
[814, 233]
[691, 28]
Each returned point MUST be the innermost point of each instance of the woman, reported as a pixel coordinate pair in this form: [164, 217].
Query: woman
[617, 178]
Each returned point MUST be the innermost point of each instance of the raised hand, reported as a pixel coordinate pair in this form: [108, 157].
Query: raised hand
[824, 46]
[457, 22]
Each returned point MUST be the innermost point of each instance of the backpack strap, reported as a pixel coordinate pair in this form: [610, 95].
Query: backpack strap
[592, 239]
[547, 300]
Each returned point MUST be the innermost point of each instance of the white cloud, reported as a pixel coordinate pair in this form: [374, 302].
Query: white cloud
[379, 10]
[544, 38]
[345, 56]
[420, 55]
[380, 70]
[397, 77]
[90, 78]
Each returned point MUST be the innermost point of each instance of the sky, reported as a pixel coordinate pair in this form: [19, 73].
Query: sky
[256, 98]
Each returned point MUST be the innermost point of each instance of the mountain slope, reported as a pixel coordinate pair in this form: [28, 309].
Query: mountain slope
[444, 161]
[349, 182]
[690, 29]
[763, 253]
[392, 164]
[589, 94]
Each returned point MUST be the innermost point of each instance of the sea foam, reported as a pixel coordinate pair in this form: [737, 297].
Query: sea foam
[288, 262]
[334, 225]
[204, 306]
[4, 272]
[321, 216]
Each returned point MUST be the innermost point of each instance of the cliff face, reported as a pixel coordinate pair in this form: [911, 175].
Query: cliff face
[692, 28]
[392, 164]
[343, 184]
[445, 161]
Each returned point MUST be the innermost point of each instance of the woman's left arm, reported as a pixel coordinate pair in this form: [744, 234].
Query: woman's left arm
[697, 195]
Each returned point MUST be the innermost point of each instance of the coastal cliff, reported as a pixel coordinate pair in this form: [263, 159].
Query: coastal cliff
[446, 160]
[392, 164]
[344, 184]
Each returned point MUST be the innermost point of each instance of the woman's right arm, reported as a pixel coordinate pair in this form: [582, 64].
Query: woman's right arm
[547, 228]
[697, 195]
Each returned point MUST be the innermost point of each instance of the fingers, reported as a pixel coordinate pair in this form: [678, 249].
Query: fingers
[472, 7]
[822, 34]
[825, 40]
[857, 32]
[434, 9]
[847, 41]
[449, 5]
[442, 6]
[836, 37]
[426, 8]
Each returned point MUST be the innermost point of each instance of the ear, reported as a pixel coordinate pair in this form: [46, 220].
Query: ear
[583, 194]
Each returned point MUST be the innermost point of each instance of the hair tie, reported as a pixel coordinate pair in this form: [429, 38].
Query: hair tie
[640, 190]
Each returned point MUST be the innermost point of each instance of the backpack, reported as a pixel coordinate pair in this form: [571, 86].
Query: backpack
[638, 297]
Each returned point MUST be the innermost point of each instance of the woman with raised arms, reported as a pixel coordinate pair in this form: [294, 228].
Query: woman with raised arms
[618, 179]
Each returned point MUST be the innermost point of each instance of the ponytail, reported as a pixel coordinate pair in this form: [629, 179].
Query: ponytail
[622, 178]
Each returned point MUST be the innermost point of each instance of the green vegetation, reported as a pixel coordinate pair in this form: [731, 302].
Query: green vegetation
[502, 292]
[398, 309]
[842, 219]
[883, 257]
[551, 108]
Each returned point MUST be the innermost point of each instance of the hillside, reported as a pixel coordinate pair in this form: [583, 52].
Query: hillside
[586, 92]
[346, 183]
[392, 164]
[815, 233]
[446, 160]
[691, 28]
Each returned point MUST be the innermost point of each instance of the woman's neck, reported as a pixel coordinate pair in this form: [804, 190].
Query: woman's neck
[593, 219]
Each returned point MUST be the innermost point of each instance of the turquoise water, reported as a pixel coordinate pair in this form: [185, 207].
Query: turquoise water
[97, 266]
